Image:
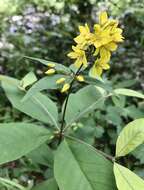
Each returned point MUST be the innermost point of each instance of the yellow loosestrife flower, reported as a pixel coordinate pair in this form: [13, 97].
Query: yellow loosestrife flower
[61, 80]
[50, 71]
[104, 39]
[65, 88]
[106, 31]
[79, 55]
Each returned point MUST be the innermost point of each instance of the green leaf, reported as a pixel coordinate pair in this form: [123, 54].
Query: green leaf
[134, 112]
[113, 115]
[99, 82]
[87, 130]
[125, 84]
[39, 106]
[29, 79]
[126, 179]
[128, 92]
[48, 82]
[130, 137]
[17, 139]
[79, 166]
[49, 184]
[58, 66]
[83, 102]
[119, 101]
[42, 155]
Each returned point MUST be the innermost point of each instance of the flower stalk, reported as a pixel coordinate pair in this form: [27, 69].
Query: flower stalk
[66, 102]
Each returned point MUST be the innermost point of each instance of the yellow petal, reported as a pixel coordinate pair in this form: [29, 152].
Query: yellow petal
[105, 34]
[50, 71]
[103, 18]
[81, 29]
[111, 23]
[97, 28]
[65, 87]
[105, 66]
[72, 55]
[96, 52]
[51, 65]
[74, 48]
[99, 71]
[95, 71]
[97, 43]
[61, 80]
[117, 38]
[84, 29]
[78, 63]
[116, 30]
[105, 54]
[80, 78]
[87, 28]
[79, 39]
[111, 46]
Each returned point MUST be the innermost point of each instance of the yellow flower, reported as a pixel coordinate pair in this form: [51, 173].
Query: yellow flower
[105, 38]
[50, 71]
[51, 65]
[65, 88]
[79, 55]
[105, 51]
[111, 46]
[98, 68]
[61, 80]
[83, 38]
[100, 36]
[80, 78]
[106, 31]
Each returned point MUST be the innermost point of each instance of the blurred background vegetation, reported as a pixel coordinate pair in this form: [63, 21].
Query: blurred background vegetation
[45, 29]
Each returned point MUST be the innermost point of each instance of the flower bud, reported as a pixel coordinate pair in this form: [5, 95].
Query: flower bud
[80, 78]
[65, 87]
[50, 71]
[61, 80]
[51, 65]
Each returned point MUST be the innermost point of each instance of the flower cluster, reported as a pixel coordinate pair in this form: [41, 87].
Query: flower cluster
[98, 44]
[104, 38]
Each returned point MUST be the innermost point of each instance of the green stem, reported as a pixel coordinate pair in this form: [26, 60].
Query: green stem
[12, 183]
[65, 105]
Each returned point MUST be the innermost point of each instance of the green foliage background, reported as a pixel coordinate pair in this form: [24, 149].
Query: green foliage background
[45, 29]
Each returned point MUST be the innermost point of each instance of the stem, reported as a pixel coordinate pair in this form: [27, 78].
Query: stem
[12, 183]
[65, 106]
